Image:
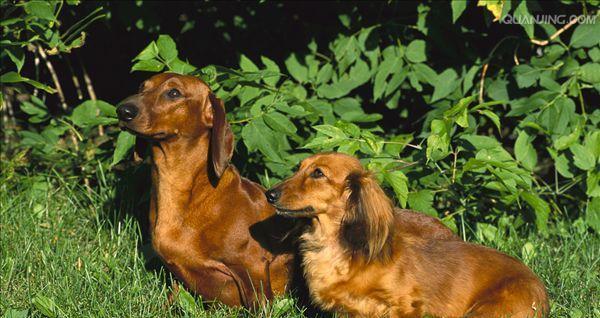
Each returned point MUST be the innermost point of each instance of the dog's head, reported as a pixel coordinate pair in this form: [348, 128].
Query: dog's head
[334, 189]
[170, 107]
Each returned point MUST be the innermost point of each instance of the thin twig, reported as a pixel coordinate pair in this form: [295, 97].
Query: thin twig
[481, 81]
[581, 102]
[487, 62]
[59, 90]
[75, 80]
[91, 92]
[6, 114]
[454, 165]
[556, 34]
[36, 62]
[408, 164]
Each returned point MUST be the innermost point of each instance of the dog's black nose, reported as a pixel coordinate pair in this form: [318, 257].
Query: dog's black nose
[273, 195]
[127, 112]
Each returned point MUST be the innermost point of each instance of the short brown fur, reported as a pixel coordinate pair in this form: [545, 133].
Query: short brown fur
[211, 227]
[364, 258]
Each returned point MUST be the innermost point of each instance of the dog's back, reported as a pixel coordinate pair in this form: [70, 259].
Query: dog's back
[422, 225]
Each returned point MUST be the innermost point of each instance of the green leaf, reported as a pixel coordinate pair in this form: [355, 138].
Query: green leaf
[525, 152]
[324, 74]
[359, 73]
[445, 83]
[594, 54]
[592, 182]
[414, 81]
[459, 108]
[17, 56]
[422, 201]
[493, 117]
[521, 13]
[468, 79]
[541, 209]
[425, 73]
[349, 109]
[592, 143]
[415, 51]
[486, 232]
[590, 72]
[40, 9]
[498, 91]
[561, 163]
[583, 158]
[14, 77]
[526, 75]
[46, 306]
[274, 68]
[322, 142]
[280, 122]
[180, 67]
[148, 53]
[124, 144]
[257, 135]
[569, 67]
[187, 302]
[395, 82]
[564, 142]
[247, 65]
[592, 214]
[391, 63]
[16, 313]
[458, 6]
[586, 35]
[167, 49]
[34, 109]
[481, 142]
[399, 183]
[298, 71]
[438, 141]
[148, 66]
[330, 131]
[88, 114]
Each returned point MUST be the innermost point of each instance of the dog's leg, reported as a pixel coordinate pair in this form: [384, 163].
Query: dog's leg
[515, 298]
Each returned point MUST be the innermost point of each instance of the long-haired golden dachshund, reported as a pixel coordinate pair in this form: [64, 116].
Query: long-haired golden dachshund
[212, 228]
[362, 258]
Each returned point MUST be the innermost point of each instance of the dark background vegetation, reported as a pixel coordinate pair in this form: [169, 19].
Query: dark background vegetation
[490, 128]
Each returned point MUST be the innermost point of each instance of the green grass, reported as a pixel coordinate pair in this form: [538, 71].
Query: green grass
[66, 252]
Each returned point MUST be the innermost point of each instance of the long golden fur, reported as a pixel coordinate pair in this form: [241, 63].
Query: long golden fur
[364, 258]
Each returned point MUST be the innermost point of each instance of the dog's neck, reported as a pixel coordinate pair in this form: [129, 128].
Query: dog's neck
[324, 231]
[181, 175]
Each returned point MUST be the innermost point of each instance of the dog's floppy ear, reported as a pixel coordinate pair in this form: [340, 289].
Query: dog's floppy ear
[369, 219]
[221, 139]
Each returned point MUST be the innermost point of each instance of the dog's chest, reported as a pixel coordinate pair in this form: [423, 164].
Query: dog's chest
[332, 283]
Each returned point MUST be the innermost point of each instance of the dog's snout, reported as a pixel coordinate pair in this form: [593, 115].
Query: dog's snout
[273, 195]
[127, 112]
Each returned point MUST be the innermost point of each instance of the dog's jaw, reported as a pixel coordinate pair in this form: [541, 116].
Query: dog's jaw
[306, 212]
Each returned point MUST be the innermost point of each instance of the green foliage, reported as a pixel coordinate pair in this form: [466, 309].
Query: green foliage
[64, 139]
[511, 133]
[34, 25]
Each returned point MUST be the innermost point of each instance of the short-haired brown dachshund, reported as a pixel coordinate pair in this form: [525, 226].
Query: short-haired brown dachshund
[211, 227]
[362, 258]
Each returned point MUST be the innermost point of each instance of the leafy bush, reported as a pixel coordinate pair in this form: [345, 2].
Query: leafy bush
[509, 136]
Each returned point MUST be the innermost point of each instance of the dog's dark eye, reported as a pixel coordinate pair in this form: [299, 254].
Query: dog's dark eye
[317, 173]
[174, 93]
